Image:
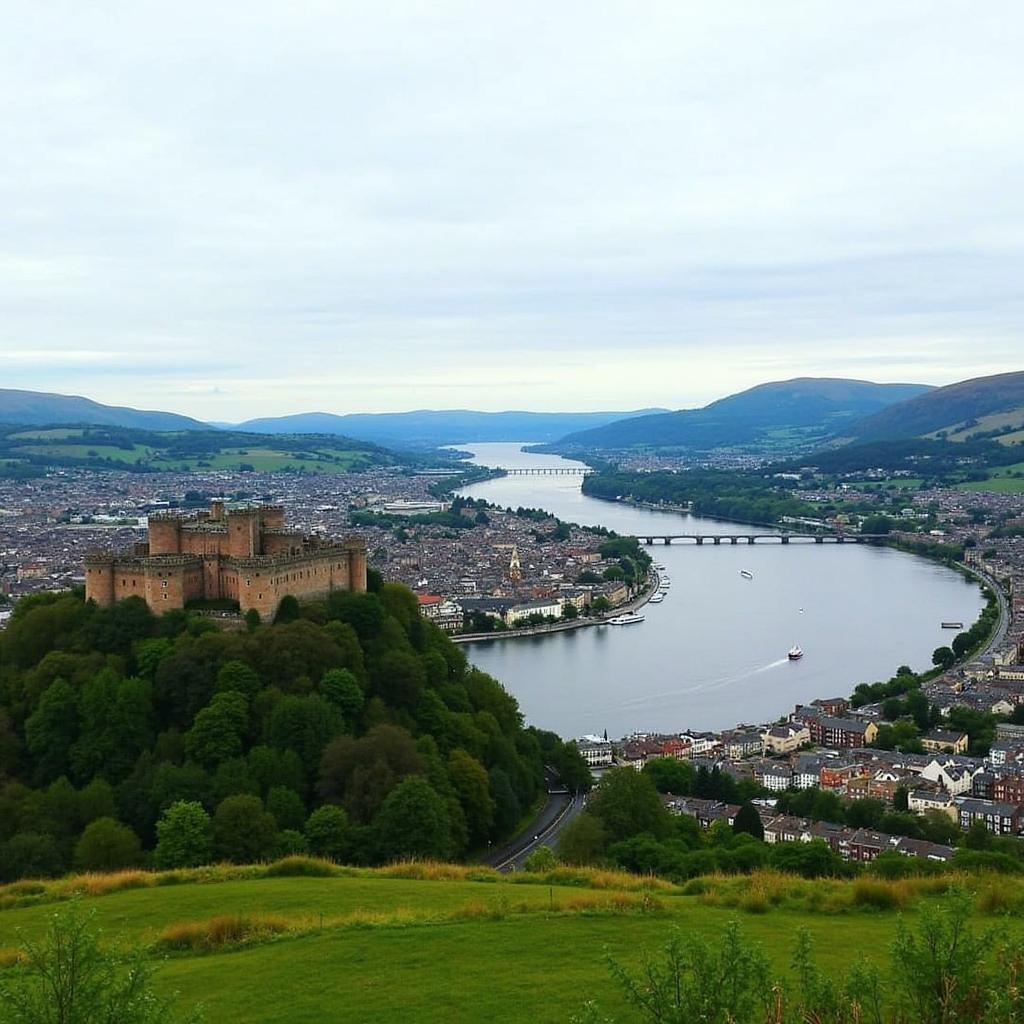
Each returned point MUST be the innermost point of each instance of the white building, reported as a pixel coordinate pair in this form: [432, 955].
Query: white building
[596, 751]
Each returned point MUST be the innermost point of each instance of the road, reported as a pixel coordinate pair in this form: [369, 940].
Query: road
[999, 633]
[561, 808]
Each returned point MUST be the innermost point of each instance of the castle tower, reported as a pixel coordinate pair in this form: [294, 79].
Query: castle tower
[99, 579]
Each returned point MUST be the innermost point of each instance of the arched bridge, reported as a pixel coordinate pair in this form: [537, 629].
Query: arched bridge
[649, 540]
[555, 471]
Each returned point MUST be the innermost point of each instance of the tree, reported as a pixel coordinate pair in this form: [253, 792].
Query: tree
[236, 676]
[287, 807]
[542, 859]
[29, 855]
[107, 845]
[342, 689]
[583, 841]
[305, 725]
[748, 820]
[243, 831]
[472, 786]
[68, 977]
[51, 730]
[327, 832]
[627, 803]
[184, 836]
[412, 822]
[943, 657]
[288, 610]
[670, 775]
[219, 729]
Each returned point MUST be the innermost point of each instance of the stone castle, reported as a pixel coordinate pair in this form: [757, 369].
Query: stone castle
[245, 555]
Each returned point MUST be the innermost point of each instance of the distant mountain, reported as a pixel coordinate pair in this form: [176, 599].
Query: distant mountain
[981, 407]
[430, 427]
[38, 408]
[776, 416]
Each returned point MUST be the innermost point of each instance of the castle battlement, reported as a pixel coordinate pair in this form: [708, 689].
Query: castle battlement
[245, 554]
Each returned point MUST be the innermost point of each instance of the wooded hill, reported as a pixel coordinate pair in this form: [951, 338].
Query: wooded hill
[353, 728]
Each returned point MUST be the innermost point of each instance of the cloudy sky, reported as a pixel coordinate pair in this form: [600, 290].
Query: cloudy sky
[232, 209]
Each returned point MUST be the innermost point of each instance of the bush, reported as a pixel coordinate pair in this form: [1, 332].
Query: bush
[107, 845]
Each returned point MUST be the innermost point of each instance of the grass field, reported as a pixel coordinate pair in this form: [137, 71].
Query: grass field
[1001, 481]
[377, 946]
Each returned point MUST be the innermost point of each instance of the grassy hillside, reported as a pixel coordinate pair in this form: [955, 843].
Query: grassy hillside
[41, 408]
[775, 417]
[429, 943]
[968, 410]
[100, 447]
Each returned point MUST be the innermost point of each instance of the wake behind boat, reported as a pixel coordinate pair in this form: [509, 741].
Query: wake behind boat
[626, 619]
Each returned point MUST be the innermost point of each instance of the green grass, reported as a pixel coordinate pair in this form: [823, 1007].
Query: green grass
[372, 946]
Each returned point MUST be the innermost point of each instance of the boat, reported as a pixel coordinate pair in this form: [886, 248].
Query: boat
[626, 619]
[952, 625]
[656, 598]
[659, 567]
[795, 654]
[746, 574]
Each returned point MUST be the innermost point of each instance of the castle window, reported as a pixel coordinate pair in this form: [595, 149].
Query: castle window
[163, 583]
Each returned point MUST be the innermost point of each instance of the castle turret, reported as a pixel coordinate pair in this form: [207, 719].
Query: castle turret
[99, 578]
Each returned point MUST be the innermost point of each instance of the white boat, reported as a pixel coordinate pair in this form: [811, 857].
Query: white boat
[626, 619]
[660, 568]
[746, 574]
[657, 599]
[795, 654]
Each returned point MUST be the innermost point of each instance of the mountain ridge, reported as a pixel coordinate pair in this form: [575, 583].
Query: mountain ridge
[45, 408]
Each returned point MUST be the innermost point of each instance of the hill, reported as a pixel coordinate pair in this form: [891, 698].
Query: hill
[24, 451]
[435, 427]
[772, 417]
[38, 408]
[969, 410]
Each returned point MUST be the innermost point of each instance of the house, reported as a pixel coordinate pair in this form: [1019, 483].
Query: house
[785, 739]
[944, 741]
[833, 706]
[705, 811]
[921, 800]
[784, 828]
[548, 608]
[922, 848]
[865, 845]
[837, 732]
[742, 744]
[807, 771]
[596, 751]
[954, 777]
[774, 775]
[1008, 787]
[1002, 819]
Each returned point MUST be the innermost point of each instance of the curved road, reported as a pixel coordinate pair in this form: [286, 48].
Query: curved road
[561, 808]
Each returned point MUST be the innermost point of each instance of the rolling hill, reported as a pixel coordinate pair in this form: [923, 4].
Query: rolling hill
[39, 408]
[433, 427]
[775, 416]
[971, 409]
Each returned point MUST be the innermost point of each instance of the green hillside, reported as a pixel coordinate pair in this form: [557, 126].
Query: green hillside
[38, 408]
[423, 943]
[983, 407]
[26, 450]
[775, 417]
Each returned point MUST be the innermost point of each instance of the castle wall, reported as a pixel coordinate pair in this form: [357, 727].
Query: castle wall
[99, 581]
[164, 536]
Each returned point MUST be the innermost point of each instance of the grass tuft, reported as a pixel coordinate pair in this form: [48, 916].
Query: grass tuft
[218, 932]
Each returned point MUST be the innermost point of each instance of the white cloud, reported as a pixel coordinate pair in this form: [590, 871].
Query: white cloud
[238, 209]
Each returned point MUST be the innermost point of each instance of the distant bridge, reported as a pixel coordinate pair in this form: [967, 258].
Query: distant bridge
[649, 540]
[556, 471]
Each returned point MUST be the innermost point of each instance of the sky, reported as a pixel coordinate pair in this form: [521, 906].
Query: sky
[240, 209]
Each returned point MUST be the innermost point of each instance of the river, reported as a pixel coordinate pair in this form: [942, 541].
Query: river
[713, 653]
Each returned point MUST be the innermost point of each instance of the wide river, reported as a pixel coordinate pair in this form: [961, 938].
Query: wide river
[713, 653]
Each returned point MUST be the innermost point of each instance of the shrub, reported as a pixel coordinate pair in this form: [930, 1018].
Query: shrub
[301, 867]
[225, 930]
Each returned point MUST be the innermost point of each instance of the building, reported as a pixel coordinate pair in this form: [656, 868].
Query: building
[549, 609]
[596, 751]
[245, 555]
[784, 739]
[836, 732]
[944, 741]
[1002, 819]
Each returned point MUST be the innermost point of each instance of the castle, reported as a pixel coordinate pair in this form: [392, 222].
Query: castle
[245, 555]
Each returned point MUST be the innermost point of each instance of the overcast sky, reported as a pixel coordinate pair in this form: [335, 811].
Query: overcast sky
[233, 209]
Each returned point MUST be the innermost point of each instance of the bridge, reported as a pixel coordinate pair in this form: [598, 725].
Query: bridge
[649, 540]
[556, 471]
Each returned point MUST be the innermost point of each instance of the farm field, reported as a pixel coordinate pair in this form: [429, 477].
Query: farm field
[372, 947]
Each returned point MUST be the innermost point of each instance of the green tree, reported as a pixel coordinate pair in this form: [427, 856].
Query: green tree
[243, 832]
[52, 729]
[342, 689]
[627, 804]
[237, 677]
[328, 832]
[472, 786]
[412, 822]
[69, 977]
[107, 845]
[583, 841]
[943, 657]
[219, 729]
[670, 775]
[287, 807]
[748, 820]
[305, 725]
[542, 859]
[30, 855]
[184, 836]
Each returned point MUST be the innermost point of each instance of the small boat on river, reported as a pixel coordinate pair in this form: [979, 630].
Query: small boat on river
[656, 598]
[626, 619]
[952, 625]
[746, 574]
[795, 654]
